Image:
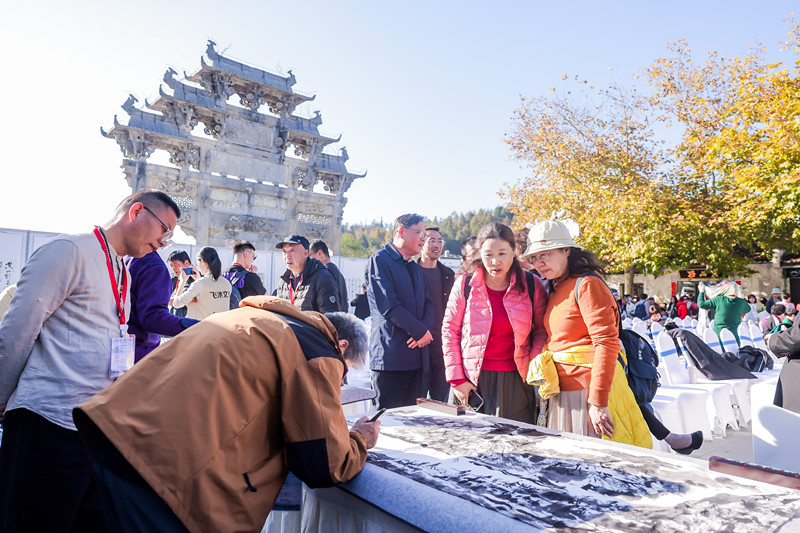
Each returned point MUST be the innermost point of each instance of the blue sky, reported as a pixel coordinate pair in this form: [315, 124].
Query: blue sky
[422, 92]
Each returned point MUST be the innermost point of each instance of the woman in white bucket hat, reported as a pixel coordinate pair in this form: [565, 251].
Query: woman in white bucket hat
[577, 370]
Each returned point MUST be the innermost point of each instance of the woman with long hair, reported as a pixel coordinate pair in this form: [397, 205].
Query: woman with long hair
[492, 324]
[578, 371]
[210, 293]
[672, 307]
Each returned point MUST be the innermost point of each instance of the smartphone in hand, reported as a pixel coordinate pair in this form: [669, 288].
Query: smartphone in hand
[188, 270]
[475, 400]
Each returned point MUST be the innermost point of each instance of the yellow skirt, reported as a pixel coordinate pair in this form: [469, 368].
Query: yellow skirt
[629, 425]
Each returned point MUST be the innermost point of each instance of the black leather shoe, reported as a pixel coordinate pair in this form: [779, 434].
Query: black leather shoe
[697, 441]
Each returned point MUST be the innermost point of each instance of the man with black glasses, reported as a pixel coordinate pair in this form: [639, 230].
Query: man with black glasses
[402, 316]
[63, 340]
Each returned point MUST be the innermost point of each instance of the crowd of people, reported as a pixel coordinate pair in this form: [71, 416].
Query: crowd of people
[141, 425]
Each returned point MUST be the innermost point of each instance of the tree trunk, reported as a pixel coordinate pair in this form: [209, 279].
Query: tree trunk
[629, 280]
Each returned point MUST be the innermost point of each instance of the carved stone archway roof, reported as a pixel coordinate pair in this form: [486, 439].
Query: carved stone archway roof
[252, 174]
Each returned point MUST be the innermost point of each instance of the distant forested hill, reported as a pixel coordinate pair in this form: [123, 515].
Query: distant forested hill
[362, 240]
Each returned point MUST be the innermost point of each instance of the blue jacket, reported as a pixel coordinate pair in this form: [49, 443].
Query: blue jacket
[150, 290]
[400, 307]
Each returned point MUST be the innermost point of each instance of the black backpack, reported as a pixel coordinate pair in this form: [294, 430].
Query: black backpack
[236, 296]
[642, 358]
[753, 359]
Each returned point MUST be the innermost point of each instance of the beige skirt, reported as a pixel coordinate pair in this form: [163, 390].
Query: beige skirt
[569, 411]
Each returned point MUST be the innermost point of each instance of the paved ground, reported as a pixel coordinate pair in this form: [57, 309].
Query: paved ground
[737, 445]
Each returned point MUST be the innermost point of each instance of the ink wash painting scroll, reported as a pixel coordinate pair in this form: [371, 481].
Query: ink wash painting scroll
[548, 481]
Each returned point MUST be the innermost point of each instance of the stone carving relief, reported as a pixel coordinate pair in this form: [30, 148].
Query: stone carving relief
[218, 84]
[129, 104]
[169, 78]
[134, 145]
[184, 156]
[215, 126]
[304, 178]
[182, 188]
[248, 133]
[314, 209]
[248, 224]
[283, 107]
[313, 230]
[253, 98]
[187, 222]
[335, 183]
[184, 116]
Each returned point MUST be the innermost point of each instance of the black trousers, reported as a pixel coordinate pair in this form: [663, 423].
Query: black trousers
[129, 503]
[396, 388]
[46, 478]
[434, 383]
[655, 426]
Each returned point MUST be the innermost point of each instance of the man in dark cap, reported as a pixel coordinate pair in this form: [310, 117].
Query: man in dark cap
[307, 284]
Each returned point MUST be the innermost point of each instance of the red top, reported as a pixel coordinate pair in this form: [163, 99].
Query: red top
[499, 355]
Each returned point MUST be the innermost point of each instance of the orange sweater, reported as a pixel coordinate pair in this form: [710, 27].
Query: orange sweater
[595, 323]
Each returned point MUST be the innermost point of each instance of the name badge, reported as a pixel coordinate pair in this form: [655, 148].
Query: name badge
[123, 350]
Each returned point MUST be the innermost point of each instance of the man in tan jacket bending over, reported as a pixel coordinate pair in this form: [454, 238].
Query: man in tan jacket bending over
[201, 434]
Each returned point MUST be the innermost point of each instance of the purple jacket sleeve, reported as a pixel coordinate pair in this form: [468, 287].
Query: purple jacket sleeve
[151, 285]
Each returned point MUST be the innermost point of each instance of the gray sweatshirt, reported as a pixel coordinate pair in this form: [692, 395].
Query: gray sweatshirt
[55, 339]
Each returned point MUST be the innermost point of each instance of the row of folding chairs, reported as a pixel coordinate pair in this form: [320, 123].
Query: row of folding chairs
[749, 335]
[687, 401]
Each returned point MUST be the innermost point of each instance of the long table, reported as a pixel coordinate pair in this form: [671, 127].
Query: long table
[440, 473]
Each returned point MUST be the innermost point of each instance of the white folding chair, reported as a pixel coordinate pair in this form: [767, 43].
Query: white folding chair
[641, 328]
[627, 323]
[636, 320]
[655, 329]
[744, 334]
[710, 338]
[739, 391]
[693, 323]
[670, 368]
[695, 404]
[775, 433]
[728, 341]
[667, 411]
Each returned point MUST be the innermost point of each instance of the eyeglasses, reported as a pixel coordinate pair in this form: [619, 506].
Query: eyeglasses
[420, 232]
[166, 238]
[435, 241]
[535, 258]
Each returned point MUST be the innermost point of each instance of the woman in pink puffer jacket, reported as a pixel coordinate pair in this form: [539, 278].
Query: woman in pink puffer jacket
[489, 338]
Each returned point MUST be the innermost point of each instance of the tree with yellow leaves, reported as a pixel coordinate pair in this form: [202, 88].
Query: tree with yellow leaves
[740, 150]
[593, 153]
[727, 192]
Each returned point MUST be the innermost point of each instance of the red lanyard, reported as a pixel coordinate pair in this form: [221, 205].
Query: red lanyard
[291, 291]
[120, 298]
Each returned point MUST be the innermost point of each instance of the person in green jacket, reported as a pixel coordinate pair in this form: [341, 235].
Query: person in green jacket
[728, 309]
